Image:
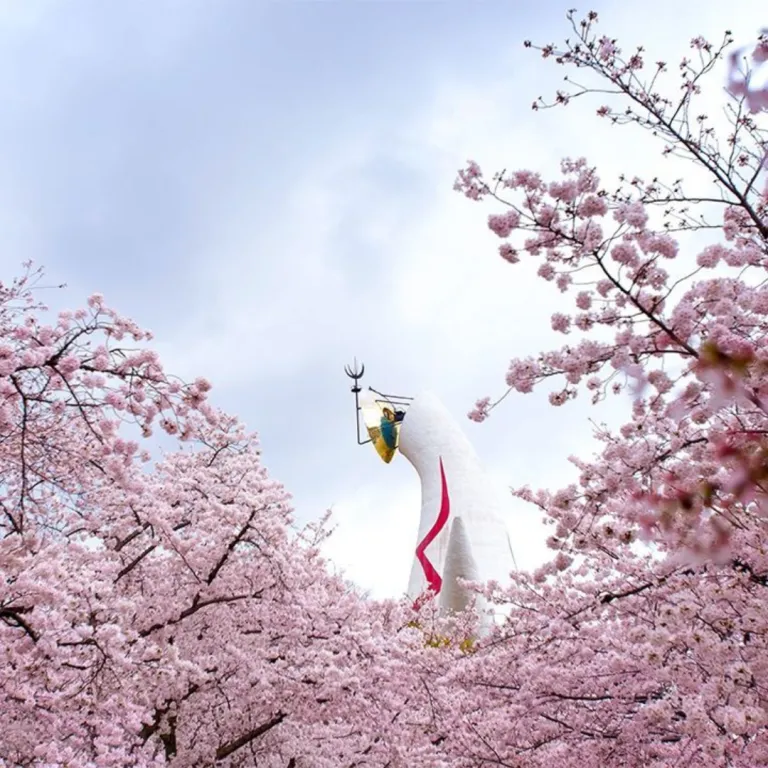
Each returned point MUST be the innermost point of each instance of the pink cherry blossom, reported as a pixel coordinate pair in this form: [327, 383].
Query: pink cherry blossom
[172, 614]
[503, 225]
[614, 653]
[561, 322]
[748, 73]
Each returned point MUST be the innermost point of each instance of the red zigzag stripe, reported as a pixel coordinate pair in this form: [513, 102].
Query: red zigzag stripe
[434, 581]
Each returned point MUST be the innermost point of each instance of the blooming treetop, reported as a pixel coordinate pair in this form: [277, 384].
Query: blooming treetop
[168, 614]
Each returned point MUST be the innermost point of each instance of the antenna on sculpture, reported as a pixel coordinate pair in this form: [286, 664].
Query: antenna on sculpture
[382, 414]
[356, 374]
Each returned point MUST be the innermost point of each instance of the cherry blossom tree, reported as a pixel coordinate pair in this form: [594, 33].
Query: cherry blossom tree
[644, 641]
[170, 612]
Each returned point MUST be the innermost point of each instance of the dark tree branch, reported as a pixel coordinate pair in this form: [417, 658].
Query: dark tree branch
[225, 750]
[13, 617]
[232, 544]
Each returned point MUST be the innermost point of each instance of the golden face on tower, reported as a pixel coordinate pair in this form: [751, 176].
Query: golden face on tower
[383, 425]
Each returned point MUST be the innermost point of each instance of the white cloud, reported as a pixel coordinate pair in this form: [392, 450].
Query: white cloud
[375, 535]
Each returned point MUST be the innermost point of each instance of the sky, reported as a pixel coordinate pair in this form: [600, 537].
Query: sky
[268, 187]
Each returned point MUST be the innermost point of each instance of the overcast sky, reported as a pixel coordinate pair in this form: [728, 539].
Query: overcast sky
[268, 187]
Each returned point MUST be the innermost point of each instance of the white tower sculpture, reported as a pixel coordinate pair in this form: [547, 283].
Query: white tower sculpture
[461, 534]
[461, 527]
